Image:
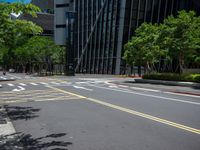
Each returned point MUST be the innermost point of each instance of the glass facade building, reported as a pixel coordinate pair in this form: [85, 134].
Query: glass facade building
[104, 26]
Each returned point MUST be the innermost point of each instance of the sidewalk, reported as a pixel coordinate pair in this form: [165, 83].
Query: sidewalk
[164, 86]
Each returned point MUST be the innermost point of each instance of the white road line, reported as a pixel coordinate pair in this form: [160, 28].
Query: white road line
[113, 86]
[22, 84]
[9, 84]
[148, 95]
[43, 83]
[33, 84]
[123, 86]
[144, 89]
[56, 83]
[65, 82]
[79, 87]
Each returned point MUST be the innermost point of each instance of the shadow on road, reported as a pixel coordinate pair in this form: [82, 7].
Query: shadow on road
[21, 113]
[20, 141]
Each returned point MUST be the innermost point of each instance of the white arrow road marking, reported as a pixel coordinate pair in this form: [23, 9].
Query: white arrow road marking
[18, 90]
[79, 87]
[21, 88]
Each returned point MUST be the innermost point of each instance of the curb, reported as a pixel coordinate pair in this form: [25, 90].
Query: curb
[161, 90]
[173, 83]
[186, 93]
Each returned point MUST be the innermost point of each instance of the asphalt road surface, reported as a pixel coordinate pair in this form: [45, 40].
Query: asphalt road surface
[85, 113]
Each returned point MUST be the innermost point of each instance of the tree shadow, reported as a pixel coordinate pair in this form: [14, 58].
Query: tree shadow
[21, 113]
[21, 141]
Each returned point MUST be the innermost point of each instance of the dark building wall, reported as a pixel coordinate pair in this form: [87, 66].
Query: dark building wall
[98, 27]
[104, 26]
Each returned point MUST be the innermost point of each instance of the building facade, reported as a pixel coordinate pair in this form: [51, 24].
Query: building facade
[46, 6]
[103, 26]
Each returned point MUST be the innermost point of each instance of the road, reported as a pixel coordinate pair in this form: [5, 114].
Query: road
[94, 113]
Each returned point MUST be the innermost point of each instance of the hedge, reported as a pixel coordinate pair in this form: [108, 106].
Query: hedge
[173, 77]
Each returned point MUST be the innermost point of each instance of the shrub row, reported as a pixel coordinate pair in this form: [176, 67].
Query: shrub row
[173, 77]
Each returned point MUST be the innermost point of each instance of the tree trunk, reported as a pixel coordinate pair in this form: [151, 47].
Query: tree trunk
[24, 68]
[181, 62]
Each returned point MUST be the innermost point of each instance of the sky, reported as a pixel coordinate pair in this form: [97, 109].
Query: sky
[27, 1]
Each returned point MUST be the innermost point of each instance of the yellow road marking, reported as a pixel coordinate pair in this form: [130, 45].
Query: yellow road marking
[136, 113]
[23, 92]
[39, 100]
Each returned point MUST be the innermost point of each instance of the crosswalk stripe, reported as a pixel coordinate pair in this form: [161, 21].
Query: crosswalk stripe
[33, 84]
[9, 84]
[22, 84]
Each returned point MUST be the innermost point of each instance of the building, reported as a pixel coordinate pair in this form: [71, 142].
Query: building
[46, 6]
[102, 27]
[44, 20]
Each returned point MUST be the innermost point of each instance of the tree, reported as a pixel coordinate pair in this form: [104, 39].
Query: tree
[39, 49]
[14, 32]
[181, 37]
[143, 49]
[177, 40]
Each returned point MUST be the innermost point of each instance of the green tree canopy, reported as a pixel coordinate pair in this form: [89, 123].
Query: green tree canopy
[178, 38]
[143, 49]
[39, 49]
[14, 32]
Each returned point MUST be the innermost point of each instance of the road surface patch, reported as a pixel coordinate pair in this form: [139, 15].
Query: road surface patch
[133, 112]
[149, 95]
